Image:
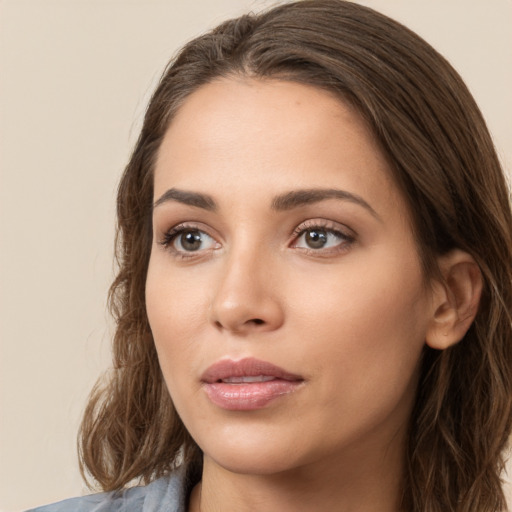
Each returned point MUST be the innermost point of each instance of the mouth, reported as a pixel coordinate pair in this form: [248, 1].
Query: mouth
[248, 379]
[248, 384]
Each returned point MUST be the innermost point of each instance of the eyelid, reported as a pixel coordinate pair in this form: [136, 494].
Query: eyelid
[328, 225]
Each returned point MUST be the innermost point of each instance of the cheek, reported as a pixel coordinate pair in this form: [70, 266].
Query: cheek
[173, 306]
[173, 297]
[366, 317]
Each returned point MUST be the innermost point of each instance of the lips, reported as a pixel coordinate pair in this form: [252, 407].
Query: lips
[247, 384]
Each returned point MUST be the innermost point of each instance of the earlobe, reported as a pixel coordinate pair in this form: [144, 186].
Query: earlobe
[456, 299]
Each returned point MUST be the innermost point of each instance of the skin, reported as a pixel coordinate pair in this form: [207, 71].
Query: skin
[350, 318]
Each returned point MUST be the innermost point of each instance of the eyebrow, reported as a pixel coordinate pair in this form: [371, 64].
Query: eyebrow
[196, 199]
[283, 202]
[297, 198]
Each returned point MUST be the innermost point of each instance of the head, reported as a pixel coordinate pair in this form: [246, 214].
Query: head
[440, 160]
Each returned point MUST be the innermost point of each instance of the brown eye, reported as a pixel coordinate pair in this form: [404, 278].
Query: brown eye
[192, 240]
[315, 238]
[319, 238]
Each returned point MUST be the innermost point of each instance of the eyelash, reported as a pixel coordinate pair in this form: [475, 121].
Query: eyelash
[329, 227]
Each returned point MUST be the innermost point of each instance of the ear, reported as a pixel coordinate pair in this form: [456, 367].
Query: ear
[455, 299]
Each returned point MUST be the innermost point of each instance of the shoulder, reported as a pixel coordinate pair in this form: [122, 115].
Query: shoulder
[167, 494]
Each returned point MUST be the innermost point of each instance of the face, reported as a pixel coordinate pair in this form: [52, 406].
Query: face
[284, 292]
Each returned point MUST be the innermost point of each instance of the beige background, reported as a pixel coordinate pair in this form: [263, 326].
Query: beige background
[75, 76]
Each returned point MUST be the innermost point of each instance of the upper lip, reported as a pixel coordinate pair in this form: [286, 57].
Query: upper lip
[247, 367]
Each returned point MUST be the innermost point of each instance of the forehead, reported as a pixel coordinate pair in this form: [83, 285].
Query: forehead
[271, 135]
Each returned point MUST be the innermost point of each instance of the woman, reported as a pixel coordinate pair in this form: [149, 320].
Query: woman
[314, 292]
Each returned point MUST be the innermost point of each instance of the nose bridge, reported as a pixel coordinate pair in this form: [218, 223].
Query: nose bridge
[245, 298]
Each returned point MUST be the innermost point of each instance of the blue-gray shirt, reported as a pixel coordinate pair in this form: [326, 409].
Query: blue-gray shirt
[167, 494]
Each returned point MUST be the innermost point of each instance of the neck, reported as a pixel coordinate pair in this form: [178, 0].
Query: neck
[362, 483]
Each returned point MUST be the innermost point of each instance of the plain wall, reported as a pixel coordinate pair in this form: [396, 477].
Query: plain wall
[75, 76]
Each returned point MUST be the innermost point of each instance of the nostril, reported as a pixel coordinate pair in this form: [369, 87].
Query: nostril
[240, 328]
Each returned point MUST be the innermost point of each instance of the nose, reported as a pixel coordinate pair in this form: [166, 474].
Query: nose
[247, 298]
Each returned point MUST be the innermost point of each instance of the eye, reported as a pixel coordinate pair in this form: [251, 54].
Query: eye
[193, 240]
[318, 238]
[188, 240]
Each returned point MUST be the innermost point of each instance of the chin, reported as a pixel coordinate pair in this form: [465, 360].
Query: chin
[253, 456]
[256, 464]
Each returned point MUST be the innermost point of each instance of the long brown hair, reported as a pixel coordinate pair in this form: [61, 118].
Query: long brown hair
[443, 159]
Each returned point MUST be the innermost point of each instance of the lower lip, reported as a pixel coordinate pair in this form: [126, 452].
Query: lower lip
[248, 396]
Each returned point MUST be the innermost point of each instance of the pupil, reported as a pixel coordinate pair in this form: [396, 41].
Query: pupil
[316, 239]
[191, 240]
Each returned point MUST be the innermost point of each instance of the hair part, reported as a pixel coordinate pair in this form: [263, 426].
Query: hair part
[443, 159]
